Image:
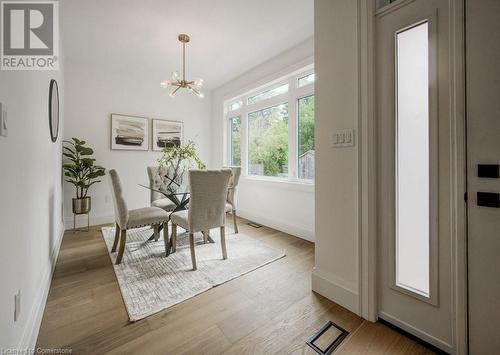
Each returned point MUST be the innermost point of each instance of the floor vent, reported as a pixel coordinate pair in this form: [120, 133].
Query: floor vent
[255, 225]
[327, 339]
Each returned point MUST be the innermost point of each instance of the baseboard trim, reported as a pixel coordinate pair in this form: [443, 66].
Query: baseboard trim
[34, 320]
[438, 343]
[335, 289]
[296, 230]
[82, 221]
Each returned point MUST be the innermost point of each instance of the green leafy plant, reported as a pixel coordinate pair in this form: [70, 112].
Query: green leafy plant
[179, 159]
[79, 166]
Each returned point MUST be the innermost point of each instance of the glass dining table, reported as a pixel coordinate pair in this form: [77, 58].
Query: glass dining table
[179, 195]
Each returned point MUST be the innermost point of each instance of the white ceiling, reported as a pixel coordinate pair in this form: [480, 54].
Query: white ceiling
[228, 37]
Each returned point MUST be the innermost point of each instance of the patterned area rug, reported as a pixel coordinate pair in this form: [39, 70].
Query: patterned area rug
[150, 282]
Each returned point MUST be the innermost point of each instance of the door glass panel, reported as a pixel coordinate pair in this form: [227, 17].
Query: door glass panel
[412, 159]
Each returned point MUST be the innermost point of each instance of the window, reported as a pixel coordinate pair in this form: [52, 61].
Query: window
[412, 160]
[306, 138]
[270, 129]
[305, 80]
[268, 141]
[268, 94]
[235, 105]
[235, 142]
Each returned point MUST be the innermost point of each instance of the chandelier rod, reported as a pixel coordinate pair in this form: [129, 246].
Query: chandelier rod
[183, 61]
[177, 89]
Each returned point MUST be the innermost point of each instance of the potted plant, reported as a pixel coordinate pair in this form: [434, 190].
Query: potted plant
[81, 172]
[178, 160]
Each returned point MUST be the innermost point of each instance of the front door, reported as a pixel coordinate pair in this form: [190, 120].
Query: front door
[414, 170]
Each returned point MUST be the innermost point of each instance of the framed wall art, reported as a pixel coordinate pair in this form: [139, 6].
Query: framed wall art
[129, 132]
[166, 134]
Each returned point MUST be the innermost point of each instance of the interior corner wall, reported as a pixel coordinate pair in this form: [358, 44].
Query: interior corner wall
[31, 225]
[336, 273]
[282, 206]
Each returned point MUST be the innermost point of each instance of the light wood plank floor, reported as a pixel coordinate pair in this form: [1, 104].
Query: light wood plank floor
[268, 311]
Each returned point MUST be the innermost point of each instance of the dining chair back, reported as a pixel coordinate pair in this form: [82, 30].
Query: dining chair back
[208, 199]
[206, 208]
[119, 203]
[232, 194]
[157, 180]
[129, 219]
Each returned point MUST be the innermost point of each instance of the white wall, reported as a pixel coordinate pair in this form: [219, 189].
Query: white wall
[337, 177]
[285, 206]
[30, 211]
[106, 82]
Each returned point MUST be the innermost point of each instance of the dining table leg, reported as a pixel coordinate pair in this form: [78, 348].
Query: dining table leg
[160, 228]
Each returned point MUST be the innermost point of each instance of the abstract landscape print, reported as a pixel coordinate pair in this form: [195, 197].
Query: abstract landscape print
[166, 134]
[129, 132]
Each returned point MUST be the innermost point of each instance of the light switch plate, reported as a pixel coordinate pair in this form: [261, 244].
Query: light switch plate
[343, 138]
[4, 132]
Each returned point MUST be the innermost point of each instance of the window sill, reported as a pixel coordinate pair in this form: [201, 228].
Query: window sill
[296, 185]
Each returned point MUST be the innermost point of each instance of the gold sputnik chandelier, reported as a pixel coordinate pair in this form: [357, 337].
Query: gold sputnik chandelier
[176, 82]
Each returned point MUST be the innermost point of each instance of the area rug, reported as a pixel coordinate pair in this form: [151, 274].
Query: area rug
[150, 282]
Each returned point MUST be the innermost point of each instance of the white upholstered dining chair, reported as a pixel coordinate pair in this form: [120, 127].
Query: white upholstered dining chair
[129, 219]
[157, 180]
[232, 193]
[206, 208]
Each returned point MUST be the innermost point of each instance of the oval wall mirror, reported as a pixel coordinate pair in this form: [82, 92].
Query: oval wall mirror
[54, 110]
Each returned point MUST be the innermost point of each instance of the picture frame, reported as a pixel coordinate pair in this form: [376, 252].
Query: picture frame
[129, 132]
[166, 133]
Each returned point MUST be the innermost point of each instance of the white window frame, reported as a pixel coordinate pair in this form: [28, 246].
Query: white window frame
[291, 97]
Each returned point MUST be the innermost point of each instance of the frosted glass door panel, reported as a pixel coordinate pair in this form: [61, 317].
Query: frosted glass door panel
[412, 159]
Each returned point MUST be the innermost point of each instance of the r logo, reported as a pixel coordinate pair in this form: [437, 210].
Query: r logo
[28, 28]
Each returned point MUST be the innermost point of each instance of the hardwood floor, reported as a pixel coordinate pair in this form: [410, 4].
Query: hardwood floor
[268, 311]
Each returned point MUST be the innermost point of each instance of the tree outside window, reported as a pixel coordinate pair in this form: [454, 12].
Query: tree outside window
[306, 138]
[268, 141]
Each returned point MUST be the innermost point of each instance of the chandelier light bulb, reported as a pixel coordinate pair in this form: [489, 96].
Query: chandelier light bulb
[198, 83]
[175, 75]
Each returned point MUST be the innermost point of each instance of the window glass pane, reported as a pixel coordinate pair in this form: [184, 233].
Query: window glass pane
[306, 80]
[268, 141]
[412, 156]
[235, 139]
[268, 94]
[235, 105]
[306, 137]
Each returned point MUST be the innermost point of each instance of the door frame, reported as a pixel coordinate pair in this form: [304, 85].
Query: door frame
[368, 282]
